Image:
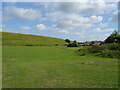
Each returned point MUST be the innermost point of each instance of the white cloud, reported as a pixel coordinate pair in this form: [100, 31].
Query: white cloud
[97, 37]
[41, 27]
[115, 17]
[72, 21]
[43, 19]
[10, 12]
[1, 30]
[103, 30]
[94, 19]
[109, 30]
[87, 6]
[73, 18]
[25, 28]
[103, 25]
[1, 26]
[97, 30]
[63, 31]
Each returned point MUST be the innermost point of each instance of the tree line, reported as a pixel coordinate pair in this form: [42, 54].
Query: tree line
[112, 38]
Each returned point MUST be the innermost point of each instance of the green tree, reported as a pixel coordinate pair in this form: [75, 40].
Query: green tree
[73, 44]
[67, 40]
[113, 38]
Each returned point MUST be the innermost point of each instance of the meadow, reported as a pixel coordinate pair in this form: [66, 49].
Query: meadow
[15, 39]
[56, 67]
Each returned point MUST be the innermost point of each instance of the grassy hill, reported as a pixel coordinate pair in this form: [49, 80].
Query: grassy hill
[15, 39]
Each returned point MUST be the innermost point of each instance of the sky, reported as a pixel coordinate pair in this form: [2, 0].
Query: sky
[80, 21]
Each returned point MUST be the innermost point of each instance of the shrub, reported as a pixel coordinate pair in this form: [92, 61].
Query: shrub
[114, 46]
[82, 52]
[56, 44]
[67, 40]
[110, 53]
[105, 50]
[29, 45]
[72, 45]
[96, 48]
[65, 44]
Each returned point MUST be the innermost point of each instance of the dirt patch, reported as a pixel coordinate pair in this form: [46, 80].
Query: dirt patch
[87, 63]
[93, 63]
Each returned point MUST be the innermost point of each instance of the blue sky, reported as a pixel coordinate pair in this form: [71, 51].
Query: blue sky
[81, 21]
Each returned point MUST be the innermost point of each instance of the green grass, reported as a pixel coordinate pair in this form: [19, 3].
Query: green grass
[14, 39]
[56, 67]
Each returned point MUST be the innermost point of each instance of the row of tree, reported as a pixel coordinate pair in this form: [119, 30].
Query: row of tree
[113, 38]
[71, 44]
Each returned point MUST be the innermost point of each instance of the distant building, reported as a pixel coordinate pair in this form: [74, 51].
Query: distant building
[92, 43]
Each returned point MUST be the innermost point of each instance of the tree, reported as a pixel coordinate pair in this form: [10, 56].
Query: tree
[67, 40]
[113, 38]
[74, 44]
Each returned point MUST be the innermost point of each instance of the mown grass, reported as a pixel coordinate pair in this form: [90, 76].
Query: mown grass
[14, 39]
[56, 67]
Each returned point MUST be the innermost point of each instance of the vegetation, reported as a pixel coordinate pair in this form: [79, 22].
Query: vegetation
[113, 38]
[14, 39]
[105, 50]
[109, 50]
[71, 44]
[56, 67]
[67, 40]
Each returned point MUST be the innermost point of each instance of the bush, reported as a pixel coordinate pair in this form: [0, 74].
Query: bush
[29, 45]
[67, 40]
[65, 44]
[82, 52]
[96, 48]
[56, 44]
[114, 46]
[105, 50]
[110, 53]
[72, 45]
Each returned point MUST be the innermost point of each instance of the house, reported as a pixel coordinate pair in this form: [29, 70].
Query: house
[92, 43]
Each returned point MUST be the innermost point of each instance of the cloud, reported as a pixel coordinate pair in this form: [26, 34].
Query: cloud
[94, 19]
[1, 30]
[102, 25]
[63, 31]
[64, 17]
[25, 28]
[41, 27]
[115, 18]
[72, 21]
[104, 30]
[1, 26]
[10, 12]
[87, 6]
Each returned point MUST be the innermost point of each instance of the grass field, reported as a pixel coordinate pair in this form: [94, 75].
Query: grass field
[15, 39]
[56, 67]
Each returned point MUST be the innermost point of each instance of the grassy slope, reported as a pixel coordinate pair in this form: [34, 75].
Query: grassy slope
[42, 67]
[10, 39]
